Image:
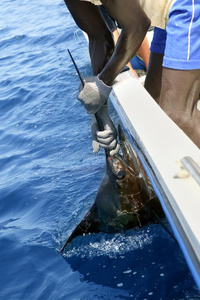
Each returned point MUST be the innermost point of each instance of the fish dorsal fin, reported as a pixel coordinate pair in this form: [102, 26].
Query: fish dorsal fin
[89, 224]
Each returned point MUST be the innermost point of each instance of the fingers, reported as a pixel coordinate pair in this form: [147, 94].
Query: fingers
[107, 141]
[115, 150]
[106, 133]
[110, 143]
[109, 146]
[106, 138]
[95, 146]
[113, 147]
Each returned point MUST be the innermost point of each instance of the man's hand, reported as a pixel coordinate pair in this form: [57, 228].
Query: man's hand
[94, 94]
[106, 138]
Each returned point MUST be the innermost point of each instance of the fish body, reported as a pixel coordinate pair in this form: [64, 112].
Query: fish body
[125, 198]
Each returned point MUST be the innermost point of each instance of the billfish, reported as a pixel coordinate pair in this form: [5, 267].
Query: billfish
[125, 198]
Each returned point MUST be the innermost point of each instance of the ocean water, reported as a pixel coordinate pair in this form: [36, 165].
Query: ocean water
[49, 177]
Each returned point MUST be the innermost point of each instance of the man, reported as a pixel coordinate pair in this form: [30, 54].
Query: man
[104, 55]
[176, 84]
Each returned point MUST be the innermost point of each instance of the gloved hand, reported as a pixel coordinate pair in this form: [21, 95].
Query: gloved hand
[94, 94]
[106, 138]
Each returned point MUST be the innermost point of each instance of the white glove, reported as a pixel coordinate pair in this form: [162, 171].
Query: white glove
[106, 138]
[94, 94]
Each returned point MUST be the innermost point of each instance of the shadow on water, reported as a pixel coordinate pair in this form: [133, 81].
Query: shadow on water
[146, 263]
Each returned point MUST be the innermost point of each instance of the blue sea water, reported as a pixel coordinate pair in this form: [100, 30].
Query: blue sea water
[49, 176]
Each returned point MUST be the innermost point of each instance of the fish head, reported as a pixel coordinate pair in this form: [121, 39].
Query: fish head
[129, 178]
[126, 184]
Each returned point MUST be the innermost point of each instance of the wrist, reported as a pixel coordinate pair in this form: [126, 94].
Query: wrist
[103, 82]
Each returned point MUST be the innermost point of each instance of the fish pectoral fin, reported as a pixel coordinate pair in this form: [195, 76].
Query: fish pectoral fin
[89, 224]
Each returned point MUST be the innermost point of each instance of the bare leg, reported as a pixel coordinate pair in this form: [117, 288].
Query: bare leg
[154, 75]
[144, 51]
[179, 96]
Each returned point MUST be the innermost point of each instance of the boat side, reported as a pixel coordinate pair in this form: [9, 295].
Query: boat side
[162, 148]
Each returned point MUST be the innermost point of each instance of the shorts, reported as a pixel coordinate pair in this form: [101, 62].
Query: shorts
[180, 42]
[158, 41]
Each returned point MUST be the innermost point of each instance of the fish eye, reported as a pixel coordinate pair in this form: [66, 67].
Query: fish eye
[121, 175]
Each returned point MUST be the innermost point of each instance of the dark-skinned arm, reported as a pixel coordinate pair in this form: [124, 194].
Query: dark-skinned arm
[88, 18]
[105, 62]
[101, 47]
[135, 23]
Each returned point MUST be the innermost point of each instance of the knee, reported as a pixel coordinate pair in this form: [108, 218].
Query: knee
[183, 120]
[153, 88]
[187, 123]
